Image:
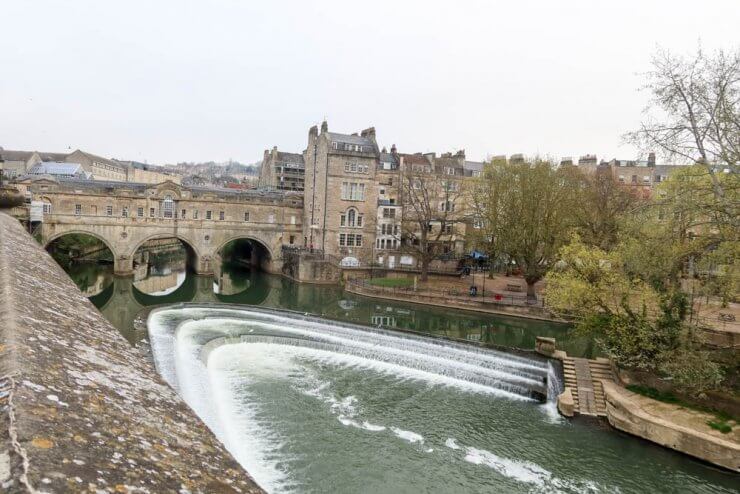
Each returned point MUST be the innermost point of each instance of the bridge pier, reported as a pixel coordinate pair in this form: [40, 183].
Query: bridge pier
[123, 266]
[203, 265]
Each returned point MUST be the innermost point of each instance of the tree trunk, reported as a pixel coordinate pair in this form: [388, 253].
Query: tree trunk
[531, 295]
[424, 270]
[531, 280]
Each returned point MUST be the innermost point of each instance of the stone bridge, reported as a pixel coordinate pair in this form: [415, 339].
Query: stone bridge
[124, 216]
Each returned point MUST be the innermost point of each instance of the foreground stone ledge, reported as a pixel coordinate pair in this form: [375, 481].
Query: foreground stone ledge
[82, 410]
[671, 426]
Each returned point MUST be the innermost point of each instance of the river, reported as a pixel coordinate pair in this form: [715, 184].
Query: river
[307, 406]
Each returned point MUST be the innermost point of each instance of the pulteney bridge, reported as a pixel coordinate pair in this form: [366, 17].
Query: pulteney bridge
[126, 215]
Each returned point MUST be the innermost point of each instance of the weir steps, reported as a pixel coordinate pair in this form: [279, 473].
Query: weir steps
[583, 377]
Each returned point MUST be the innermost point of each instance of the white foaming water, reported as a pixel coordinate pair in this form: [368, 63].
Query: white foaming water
[239, 421]
[554, 389]
[207, 378]
[409, 436]
[372, 427]
[523, 471]
[451, 443]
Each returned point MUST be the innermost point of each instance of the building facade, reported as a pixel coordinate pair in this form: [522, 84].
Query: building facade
[16, 164]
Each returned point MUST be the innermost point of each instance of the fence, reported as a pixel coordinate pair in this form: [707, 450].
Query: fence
[429, 295]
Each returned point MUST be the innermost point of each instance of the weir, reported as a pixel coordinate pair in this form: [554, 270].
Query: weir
[523, 376]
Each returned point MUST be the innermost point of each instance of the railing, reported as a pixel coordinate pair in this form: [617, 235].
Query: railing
[432, 294]
[308, 253]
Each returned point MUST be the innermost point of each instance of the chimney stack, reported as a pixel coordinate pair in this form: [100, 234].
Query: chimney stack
[651, 159]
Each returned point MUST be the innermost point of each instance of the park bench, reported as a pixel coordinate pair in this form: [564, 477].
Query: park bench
[513, 287]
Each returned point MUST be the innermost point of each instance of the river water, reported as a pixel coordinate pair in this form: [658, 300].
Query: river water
[322, 406]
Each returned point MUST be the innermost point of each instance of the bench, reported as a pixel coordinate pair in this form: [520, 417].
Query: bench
[511, 287]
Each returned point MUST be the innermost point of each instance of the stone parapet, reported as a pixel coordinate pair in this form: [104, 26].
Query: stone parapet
[81, 409]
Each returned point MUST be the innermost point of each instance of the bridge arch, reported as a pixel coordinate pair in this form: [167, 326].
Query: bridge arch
[159, 236]
[246, 236]
[199, 262]
[261, 254]
[81, 231]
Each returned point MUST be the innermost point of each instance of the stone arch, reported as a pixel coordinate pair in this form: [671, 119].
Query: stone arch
[82, 231]
[246, 236]
[201, 263]
[160, 235]
[266, 261]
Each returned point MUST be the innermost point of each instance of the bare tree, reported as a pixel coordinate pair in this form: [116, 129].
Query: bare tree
[601, 204]
[487, 196]
[432, 208]
[694, 114]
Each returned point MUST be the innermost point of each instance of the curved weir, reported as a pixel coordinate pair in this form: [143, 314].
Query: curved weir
[308, 405]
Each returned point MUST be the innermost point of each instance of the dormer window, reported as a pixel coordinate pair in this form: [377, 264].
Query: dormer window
[335, 145]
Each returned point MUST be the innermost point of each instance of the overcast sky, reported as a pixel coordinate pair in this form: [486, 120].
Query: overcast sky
[168, 81]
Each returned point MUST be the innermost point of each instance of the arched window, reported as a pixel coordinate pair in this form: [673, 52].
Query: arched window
[351, 218]
[168, 207]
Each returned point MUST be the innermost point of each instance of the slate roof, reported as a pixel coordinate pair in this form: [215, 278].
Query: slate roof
[350, 139]
[474, 166]
[388, 158]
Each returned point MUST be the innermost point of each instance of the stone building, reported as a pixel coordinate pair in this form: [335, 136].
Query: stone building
[18, 163]
[282, 171]
[353, 195]
[388, 216]
[341, 194]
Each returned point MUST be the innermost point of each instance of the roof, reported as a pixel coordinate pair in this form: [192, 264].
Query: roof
[388, 158]
[351, 139]
[11, 155]
[414, 159]
[56, 168]
[475, 166]
[290, 157]
[95, 157]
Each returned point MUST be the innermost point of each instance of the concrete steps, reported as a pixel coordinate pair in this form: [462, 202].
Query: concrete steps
[583, 377]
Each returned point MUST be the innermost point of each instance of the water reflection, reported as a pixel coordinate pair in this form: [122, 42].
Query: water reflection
[238, 284]
[160, 268]
[162, 277]
[90, 277]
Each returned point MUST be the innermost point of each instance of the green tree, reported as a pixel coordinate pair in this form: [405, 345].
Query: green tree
[530, 214]
[637, 324]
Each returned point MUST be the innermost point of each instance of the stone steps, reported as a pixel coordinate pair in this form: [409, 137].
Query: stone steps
[583, 377]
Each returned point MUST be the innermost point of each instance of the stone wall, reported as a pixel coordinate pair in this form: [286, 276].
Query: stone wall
[309, 268]
[670, 426]
[81, 409]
